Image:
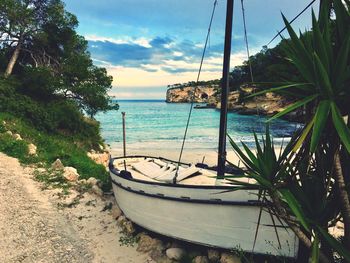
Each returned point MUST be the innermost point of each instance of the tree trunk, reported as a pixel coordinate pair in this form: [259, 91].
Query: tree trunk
[13, 60]
[296, 229]
[344, 199]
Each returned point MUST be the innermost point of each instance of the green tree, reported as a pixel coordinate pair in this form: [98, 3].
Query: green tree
[52, 51]
[19, 21]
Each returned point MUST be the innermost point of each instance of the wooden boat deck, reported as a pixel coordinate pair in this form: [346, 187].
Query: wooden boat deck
[155, 170]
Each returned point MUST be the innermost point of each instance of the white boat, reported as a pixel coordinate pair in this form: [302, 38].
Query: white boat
[194, 205]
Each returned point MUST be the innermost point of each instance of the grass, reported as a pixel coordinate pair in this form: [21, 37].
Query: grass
[49, 148]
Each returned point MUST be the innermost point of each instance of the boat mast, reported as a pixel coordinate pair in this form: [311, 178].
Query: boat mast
[225, 91]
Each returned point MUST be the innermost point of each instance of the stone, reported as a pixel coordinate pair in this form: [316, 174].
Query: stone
[82, 181]
[147, 244]
[92, 180]
[97, 190]
[200, 259]
[32, 149]
[175, 253]
[9, 133]
[121, 220]
[126, 225]
[70, 173]
[153, 246]
[99, 158]
[116, 212]
[229, 258]
[57, 165]
[17, 137]
[41, 170]
[129, 227]
[213, 255]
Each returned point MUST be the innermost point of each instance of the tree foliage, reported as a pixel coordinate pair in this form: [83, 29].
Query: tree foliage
[308, 184]
[43, 50]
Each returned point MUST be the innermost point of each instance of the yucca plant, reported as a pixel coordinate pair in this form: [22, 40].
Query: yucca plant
[310, 180]
[296, 188]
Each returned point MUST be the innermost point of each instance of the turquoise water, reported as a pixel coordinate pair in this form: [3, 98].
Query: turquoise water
[162, 126]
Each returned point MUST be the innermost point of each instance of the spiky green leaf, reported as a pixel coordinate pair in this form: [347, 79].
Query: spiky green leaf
[295, 207]
[339, 124]
[320, 122]
[294, 106]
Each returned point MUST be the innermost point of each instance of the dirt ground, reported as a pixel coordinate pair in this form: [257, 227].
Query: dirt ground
[39, 225]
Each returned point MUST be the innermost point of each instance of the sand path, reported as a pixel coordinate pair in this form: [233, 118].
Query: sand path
[35, 228]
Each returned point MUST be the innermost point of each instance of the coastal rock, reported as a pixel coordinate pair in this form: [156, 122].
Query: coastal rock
[70, 173]
[99, 158]
[17, 137]
[121, 220]
[32, 149]
[116, 212]
[82, 181]
[57, 165]
[229, 258]
[126, 225]
[92, 181]
[97, 190]
[129, 227]
[147, 244]
[175, 253]
[213, 255]
[200, 259]
[184, 94]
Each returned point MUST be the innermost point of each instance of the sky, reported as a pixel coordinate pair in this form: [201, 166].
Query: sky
[149, 44]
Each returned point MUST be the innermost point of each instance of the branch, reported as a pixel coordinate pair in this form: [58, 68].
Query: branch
[343, 196]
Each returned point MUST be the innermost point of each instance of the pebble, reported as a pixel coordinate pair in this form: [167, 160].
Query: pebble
[229, 258]
[175, 253]
[213, 255]
[201, 259]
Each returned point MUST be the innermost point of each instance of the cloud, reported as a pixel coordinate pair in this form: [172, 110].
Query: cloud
[161, 61]
[144, 42]
[152, 55]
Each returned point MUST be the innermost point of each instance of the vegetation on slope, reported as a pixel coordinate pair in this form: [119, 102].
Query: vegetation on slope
[49, 88]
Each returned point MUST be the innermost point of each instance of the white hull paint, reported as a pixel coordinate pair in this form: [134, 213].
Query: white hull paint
[203, 215]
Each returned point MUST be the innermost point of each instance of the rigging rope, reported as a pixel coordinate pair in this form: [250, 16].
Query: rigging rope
[249, 60]
[193, 93]
[296, 17]
[246, 41]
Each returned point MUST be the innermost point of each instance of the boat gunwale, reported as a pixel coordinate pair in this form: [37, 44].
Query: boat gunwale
[188, 200]
[116, 172]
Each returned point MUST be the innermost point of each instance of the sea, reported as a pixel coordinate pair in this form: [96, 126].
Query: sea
[154, 125]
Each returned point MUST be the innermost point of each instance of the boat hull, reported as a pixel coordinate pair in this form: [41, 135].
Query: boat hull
[211, 216]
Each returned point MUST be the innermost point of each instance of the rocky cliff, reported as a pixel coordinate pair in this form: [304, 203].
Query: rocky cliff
[267, 104]
[184, 94]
